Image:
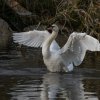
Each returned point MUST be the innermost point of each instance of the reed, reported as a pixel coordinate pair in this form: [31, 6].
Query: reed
[72, 15]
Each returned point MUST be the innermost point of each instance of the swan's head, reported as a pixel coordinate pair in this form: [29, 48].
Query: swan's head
[55, 28]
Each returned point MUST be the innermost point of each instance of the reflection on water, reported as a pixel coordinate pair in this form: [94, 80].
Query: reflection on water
[50, 86]
[57, 86]
[22, 80]
[68, 87]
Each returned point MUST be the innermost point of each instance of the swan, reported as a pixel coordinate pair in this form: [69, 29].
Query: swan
[55, 58]
[56, 86]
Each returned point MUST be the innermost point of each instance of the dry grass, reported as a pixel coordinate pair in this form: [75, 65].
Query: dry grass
[72, 15]
[78, 15]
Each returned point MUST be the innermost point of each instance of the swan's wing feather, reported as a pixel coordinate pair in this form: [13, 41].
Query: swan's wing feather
[34, 38]
[90, 43]
[77, 45]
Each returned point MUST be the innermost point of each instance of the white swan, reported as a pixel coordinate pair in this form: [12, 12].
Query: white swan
[56, 59]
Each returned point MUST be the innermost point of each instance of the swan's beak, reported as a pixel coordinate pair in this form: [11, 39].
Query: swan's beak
[49, 29]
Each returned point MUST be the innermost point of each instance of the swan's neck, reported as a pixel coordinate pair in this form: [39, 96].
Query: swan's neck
[47, 43]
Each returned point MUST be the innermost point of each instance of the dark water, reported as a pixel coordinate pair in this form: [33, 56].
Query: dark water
[26, 78]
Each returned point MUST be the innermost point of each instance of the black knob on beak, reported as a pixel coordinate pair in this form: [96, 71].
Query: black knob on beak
[49, 29]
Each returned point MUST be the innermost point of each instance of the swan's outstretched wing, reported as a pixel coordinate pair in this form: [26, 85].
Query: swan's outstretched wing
[33, 38]
[74, 50]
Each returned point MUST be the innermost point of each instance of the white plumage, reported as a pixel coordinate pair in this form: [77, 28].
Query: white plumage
[57, 59]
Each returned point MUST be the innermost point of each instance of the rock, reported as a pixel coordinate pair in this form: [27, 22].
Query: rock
[18, 8]
[26, 16]
[37, 27]
[5, 35]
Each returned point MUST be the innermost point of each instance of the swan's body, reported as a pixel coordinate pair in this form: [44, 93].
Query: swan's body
[56, 59]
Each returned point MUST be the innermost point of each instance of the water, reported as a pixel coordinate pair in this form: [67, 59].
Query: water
[27, 79]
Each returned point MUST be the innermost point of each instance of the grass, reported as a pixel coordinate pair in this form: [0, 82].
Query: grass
[79, 15]
[72, 15]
